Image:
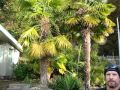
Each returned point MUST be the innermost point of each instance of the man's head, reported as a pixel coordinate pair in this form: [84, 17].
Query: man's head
[112, 76]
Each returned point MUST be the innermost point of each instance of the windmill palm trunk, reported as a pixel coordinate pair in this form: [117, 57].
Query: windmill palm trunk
[87, 49]
[43, 71]
[45, 29]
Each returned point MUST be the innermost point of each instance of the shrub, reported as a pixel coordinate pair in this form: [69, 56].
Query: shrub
[97, 68]
[21, 71]
[27, 69]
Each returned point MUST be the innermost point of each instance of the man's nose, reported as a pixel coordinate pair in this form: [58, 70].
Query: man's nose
[111, 76]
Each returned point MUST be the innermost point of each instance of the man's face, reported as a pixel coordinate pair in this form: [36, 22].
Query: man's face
[112, 79]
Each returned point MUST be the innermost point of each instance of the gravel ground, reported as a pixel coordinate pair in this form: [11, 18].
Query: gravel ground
[4, 84]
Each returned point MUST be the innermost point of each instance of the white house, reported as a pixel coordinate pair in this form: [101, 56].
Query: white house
[9, 52]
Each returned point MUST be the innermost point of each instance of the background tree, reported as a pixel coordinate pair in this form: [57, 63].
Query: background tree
[110, 48]
[92, 18]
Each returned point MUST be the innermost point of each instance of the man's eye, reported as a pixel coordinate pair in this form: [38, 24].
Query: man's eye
[107, 74]
[114, 74]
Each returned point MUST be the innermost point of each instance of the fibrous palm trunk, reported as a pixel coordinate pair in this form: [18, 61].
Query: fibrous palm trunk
[45, 29]
[43, 71]
[87, 49]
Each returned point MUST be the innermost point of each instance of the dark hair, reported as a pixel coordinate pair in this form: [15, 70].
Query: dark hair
[112, 67]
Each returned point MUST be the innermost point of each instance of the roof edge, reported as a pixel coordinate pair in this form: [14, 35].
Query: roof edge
[11, 38]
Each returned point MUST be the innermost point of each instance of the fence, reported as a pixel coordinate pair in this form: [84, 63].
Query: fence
[111, 59]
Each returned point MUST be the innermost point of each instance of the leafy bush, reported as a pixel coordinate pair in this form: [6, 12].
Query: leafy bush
[25, 70]
[21, 71]
[67, 82]
[97, 68]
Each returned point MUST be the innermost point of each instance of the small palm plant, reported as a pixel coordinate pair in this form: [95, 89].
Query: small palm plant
[67, 82]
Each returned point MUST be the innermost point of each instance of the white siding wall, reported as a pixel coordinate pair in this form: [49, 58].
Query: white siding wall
[7, 56]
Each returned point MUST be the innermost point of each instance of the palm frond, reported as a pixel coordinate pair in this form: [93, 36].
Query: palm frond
[90, 20]
[109, 23]
[29, 36]
[25, 43]
[103, 8]
[49, 48]
[105, 33]
[32, 1]
[59, 5]
[100, 39]
[79, 4]
[110, 30]
[37, 50]
[72, 21]
[24, 5]
[62, 42]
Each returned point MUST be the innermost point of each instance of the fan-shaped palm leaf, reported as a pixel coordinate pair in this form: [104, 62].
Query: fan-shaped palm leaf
[24, 4]
[105, 33]
[101, 39]
[36, 50]
[49, 48]
[72, 21]
[59, 5]
[62, 42]
[90, 20]
[109, 23]
[101, 8]
[29, 36]
[110, 30]
[25, 43]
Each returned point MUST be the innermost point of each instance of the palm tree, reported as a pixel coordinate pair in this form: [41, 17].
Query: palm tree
[43, 49]
[92, 18]
[39, 39]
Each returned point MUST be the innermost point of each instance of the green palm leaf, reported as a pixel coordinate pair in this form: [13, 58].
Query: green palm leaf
[62, 42]
[36, 50]
[72, 21]
[29, 36]
[90, 20]
[110, 30]
[109, 23]
[49, 48]
[25, 43]
[101, 8]
[99, 39]
[59, 5]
